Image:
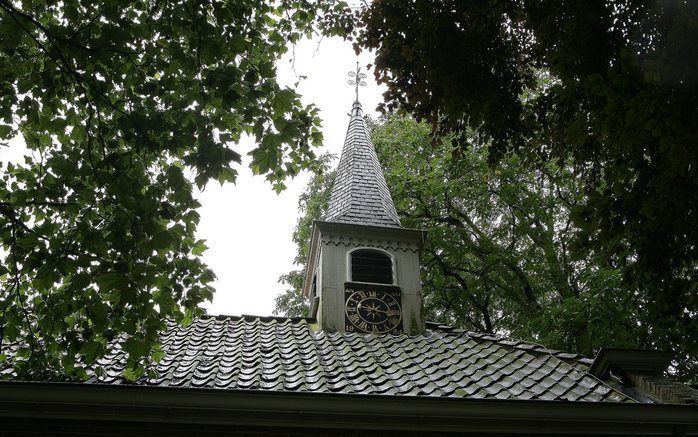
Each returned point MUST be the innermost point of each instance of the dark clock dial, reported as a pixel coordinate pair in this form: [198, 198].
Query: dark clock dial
[377, 312]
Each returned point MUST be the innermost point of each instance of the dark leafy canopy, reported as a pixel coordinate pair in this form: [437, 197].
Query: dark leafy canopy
[119, 103]
[499, 256]
[611, 85]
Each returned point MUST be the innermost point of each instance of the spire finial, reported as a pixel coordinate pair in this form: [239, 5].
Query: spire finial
[356, 78]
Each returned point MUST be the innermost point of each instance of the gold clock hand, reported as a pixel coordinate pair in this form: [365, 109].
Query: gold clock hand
[371, 308]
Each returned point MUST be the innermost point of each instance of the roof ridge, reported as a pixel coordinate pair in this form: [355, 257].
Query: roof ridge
[536, 347]
[250, 317]
[515, 342]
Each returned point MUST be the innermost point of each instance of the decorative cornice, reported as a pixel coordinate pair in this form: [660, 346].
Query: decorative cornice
[368, 232]
[393, 245]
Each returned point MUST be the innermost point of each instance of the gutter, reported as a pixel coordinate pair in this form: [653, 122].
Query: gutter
[102, 402]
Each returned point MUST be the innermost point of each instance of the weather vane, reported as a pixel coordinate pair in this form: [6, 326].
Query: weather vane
[356, 78]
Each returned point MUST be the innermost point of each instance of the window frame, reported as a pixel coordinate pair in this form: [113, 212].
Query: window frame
[393, 265]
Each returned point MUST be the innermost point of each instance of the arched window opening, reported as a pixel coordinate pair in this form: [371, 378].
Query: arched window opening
[371, 266]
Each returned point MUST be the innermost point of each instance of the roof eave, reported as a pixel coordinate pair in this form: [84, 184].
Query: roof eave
[338, 411]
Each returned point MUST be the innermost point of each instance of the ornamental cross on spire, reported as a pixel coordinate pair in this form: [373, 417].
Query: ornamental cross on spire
[356, 78]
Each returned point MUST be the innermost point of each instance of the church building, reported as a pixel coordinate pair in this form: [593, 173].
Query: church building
[364, 362]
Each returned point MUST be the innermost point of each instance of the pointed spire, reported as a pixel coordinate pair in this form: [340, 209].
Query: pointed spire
[360, 194]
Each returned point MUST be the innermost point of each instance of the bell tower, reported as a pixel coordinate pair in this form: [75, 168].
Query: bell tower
[363, 267]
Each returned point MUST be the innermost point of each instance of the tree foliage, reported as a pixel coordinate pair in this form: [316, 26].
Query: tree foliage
[500, 254]
[609, 87]
[123, 108]
[312, 205]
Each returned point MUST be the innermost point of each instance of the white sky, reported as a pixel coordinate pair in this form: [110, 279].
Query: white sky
[247, 226]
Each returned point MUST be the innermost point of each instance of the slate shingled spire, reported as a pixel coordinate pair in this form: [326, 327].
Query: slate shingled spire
[360, 194]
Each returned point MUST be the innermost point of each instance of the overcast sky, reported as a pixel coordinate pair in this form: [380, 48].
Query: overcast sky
[247, 226]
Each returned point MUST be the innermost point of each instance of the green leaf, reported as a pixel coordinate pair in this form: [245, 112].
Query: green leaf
[133, 373]
[91, 350]
[111, 281]
[6, 132]
[283, 101]
[136, 348]
[199, 248]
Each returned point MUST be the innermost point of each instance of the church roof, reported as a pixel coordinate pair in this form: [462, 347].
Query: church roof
[360, 194]
[290, 354]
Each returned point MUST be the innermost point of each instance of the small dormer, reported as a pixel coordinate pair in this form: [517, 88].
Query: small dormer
[363, 269]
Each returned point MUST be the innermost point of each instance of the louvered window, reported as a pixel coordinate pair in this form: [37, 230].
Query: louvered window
[371, 266]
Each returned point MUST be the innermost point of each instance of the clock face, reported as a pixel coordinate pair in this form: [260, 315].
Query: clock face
[376, 312]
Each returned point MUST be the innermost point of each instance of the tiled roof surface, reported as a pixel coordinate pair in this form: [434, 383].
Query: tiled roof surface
[289, 355]
[360, 194]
